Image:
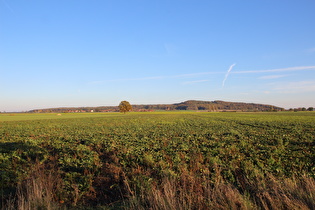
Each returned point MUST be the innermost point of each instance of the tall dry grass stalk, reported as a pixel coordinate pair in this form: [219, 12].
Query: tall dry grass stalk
[269, 193]
[35, 195]
[35, 192]
[290, 193]
[189, 191]
[172, 195]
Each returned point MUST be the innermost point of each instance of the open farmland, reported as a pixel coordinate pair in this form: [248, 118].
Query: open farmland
[159, 160]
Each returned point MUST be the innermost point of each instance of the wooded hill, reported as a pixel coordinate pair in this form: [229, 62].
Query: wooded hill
[187, 105]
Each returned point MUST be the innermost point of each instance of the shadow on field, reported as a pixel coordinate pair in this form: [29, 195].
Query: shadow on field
[22, 151]
[9, 147]
[18, 163]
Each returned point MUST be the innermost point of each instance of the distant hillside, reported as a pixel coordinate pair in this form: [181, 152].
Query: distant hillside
[187, 105]
[210, 106]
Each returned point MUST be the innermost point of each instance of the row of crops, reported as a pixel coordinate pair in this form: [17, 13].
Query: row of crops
[106, 161]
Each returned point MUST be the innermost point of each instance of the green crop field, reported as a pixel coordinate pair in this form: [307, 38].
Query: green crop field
[158, 160]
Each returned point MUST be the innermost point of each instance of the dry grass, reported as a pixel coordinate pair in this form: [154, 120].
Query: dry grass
[186, 192]
[270, 193]
[290, 193]
[36, 192]
[171, 195]
[34, 196]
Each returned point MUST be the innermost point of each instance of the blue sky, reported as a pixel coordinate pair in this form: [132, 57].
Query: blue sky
[93, 53]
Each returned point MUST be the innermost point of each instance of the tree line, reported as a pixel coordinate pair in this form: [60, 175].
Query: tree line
[211, 106]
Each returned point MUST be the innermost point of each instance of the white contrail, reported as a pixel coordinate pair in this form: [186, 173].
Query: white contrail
[227, 74]
[8, 6]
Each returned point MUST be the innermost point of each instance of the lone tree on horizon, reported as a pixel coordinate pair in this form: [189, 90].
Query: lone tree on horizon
[125, 106]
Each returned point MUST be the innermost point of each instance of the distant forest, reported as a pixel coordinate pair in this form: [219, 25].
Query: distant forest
[211, 106]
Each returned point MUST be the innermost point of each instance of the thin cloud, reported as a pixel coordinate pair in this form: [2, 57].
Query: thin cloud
[295, 87]
[156, 77]
[192, 75]
[298, 68]
[170, 49]
[197, 81]
[311, 50]
[137, 79]
[227, 74]
[272, 76]
[95, 82]
[127, 79]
